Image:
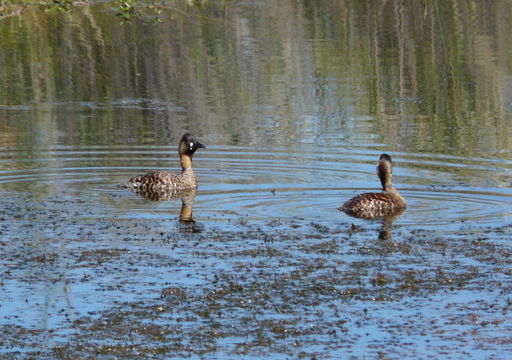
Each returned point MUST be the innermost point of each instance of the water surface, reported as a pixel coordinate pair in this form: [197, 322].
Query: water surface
[295, 102]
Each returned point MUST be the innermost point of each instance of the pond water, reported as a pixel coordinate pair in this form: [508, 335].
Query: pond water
[295, 102]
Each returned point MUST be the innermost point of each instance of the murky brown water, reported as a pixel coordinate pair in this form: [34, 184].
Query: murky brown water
[295, 102]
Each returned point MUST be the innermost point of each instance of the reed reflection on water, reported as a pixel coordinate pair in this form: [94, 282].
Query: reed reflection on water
[410, 78]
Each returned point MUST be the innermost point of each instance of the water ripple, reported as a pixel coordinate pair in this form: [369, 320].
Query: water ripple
[307, 182]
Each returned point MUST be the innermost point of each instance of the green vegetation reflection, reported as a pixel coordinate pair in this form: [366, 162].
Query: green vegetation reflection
[431, 78]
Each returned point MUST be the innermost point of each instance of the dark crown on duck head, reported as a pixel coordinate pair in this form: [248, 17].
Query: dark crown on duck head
[385, 157]
[189, 144]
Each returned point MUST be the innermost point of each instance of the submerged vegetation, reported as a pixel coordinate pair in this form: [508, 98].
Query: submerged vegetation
[127, 288]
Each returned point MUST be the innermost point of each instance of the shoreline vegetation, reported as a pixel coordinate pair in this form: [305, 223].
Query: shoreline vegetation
[125, 9]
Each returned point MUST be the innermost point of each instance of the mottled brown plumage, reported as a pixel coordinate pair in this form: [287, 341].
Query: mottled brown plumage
[387, 203]
[161, 182]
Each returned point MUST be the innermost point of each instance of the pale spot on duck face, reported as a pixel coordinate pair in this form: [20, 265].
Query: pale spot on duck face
[191, 146]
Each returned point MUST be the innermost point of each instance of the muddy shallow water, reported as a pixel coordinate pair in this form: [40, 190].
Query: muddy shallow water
[80, 282]
[294, 103]
[264, 269]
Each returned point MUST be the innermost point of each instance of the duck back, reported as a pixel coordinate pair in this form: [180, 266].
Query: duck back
[163, 181]
[374, 205]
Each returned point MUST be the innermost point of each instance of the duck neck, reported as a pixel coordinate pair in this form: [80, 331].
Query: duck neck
[384, 171]
[386, 185]
[186, 162]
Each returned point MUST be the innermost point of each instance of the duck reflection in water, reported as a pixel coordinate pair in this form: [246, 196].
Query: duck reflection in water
[187, 200]
[164, 185]
[387, 204]
[384, 231]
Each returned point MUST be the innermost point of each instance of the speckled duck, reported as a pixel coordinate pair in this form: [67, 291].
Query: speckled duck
[158, 181]
[387, 203]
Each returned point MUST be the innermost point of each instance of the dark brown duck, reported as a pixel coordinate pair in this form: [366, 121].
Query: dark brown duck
[377, 205]
[158, 181]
